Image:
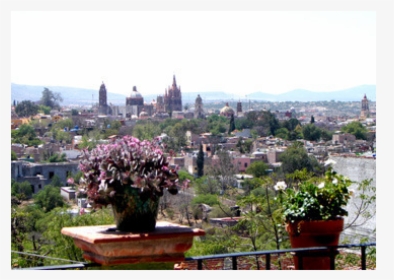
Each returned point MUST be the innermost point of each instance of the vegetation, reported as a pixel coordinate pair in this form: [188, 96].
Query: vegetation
[36, 228]
[295, 158]
[58, 158]
[14, 156]
[21, 190]
[200, 162]
[49, 198]
[51, 99]
[357, 129]
[25, 134]
[26, 108]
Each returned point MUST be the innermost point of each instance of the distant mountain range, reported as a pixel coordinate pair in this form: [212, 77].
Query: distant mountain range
[79, 96]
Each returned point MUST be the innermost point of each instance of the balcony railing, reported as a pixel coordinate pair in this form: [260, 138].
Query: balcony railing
[235, 256]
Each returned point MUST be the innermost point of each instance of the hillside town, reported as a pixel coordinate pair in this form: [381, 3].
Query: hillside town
[54, 138]
[31, 165]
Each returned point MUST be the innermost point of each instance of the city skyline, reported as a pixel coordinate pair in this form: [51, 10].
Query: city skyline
[272, 52]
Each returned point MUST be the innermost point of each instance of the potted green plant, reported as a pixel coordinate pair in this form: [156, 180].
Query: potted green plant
[131, 176]
[313, 212]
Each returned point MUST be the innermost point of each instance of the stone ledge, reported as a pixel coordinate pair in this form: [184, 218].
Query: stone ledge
[107, 246]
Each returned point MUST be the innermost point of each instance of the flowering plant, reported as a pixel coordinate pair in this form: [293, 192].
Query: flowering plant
[316, 199]
[109, 169]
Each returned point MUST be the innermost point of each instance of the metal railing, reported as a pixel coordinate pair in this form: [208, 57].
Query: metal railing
[300, 252]
[331, 252]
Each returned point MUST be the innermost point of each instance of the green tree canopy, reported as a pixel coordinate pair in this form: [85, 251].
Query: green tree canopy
[25, 134]
[14, 156]
[232, 124]
[51, 99]
[357, 129]
[58, 158]
[200, 162]
[291, 124]
[311, 132]
[257, 169]
[295, 158]
[146, 130]
[26, 108]
[282, 133]
[21, 190]
[49, 198]
[44, 109]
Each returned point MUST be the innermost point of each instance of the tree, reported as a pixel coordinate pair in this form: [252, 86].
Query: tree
[326, 135]
[282, 133]
[263, 224]
[311, 132]
[207, 185]
[58, 158]
[295, 158]
[14, 156]
[357, 129]
[87, 143]
[44, 109]
[223, 170]
[22, 190]
[55, 244]
[232, 124]
[312, 119]
[25, 134]
[26, 108]
[49, 198]
[257, 169]
[56, 182]
[291, 124]
[146, 130]
[51, 99]
[200, 162]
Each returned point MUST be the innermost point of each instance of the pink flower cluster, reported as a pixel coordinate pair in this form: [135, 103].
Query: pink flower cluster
[127, 162]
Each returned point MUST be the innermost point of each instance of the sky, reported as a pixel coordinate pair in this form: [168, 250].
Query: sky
[237, 52]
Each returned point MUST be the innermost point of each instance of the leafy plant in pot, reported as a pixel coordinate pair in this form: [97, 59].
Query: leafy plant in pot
[313, 212]
[131, 176]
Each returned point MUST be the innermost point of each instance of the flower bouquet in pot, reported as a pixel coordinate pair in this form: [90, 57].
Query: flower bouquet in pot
[313, 212]
[131, 176]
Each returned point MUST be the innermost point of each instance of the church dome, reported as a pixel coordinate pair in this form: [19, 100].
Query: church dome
[135, 93]
[226, 111]
[198, 99]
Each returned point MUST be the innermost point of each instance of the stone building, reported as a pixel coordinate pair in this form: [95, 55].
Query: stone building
[40, 174]
[172, 98]
[103, 108]
[343, 138]
[226, 111]
[364, 108]
[239, 109]
[198, 108]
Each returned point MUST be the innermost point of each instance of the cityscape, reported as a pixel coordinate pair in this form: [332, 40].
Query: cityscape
[250, 143]
[194, 139]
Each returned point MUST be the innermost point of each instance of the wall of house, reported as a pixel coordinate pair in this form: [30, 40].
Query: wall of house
[357, 169]
[39, 175]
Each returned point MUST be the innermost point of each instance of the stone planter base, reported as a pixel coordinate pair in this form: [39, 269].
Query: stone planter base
[107, 246]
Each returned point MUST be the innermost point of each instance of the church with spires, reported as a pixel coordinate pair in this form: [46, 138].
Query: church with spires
[172, 99]
[103, 108]
[165, 105]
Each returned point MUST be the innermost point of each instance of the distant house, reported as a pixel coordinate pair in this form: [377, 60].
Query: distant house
[245, 133]
[41, 174]
[68, 193]
[341, 138]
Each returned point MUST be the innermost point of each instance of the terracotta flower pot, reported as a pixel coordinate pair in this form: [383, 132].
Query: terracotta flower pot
[305, 234]
[135, 213]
